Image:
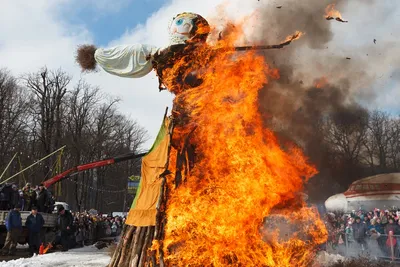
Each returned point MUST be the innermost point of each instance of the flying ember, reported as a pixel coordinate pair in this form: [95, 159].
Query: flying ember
[332, 13]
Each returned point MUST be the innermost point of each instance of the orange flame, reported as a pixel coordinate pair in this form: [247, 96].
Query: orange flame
[330, 11]
[241, 174]
[294, 36]
[321, 82]
[49, 246]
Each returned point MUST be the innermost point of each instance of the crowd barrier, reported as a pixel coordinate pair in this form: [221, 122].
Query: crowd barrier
[377, 246]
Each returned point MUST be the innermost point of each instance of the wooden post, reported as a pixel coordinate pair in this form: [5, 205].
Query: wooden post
[134, 248]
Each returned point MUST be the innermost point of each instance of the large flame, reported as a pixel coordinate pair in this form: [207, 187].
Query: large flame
[241, 175]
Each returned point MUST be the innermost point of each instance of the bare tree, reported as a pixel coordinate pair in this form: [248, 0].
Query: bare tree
[81, 103]
[43, 112]
[379, 137]
[13, 115]
[49, 88]
[345, 132]
[394, 144]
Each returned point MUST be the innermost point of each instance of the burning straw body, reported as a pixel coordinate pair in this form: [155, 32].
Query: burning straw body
[214, 172]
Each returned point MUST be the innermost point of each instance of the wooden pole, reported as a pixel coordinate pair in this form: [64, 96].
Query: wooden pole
[30, 166]
[8, 165]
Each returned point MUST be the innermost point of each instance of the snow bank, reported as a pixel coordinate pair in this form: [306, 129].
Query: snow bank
[82, 257]
[325, 259]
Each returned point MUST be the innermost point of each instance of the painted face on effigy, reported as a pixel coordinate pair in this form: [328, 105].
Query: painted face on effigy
[185, 26]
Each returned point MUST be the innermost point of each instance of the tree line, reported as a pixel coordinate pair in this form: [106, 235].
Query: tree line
[43, 111]
[351, 144]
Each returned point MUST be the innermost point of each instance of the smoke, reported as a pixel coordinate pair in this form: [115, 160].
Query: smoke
[318, 77]
[314, 80]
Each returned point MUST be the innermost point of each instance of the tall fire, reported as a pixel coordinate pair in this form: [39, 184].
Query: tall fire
[217, 188]
[240, 176]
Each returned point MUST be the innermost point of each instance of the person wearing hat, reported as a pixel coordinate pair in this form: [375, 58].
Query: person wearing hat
[360, 232]
[42, 200]
[14, 196]
[14, 226]
[34, 223]
[65, 225]
[29, 197]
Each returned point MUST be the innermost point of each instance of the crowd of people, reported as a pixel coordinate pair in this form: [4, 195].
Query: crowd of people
[376, 232]
[88, 228]
[73, 229]
[26, 197]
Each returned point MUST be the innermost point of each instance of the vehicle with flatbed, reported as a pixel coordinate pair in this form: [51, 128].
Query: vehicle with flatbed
[50, 224]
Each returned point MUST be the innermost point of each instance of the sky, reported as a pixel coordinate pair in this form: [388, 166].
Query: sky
[41, 33]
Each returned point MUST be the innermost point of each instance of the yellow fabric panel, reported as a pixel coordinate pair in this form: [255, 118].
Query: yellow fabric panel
[153, 164]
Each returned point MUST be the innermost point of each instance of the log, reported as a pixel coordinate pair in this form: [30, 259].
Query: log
[132, 254]
[120, 252]
[149, 236]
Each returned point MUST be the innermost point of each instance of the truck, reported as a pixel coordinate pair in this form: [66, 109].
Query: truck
[48, 232]
[49, 228]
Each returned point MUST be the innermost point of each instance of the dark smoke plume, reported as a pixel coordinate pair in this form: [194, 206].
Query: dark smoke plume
[315, 82]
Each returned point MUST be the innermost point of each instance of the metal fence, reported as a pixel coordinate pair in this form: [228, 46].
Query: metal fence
[377, 246]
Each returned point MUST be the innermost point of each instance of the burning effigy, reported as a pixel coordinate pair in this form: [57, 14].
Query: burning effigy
[216, 189]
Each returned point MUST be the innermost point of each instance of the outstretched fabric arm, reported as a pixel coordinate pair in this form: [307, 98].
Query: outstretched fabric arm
[129, 61]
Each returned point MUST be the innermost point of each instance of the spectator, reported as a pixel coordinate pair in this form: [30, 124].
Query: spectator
[21, 198]
[14, 196]
[14, 227]
[29, 197]
[80, 235]
[34, 223]
[5, 195]
[52, 202]
[42, 199]
[65, 224]
[366, 220]
[114, 229]
[359, 232]
[391, 226]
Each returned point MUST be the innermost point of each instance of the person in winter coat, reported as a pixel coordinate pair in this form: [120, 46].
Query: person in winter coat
[5, 195]
[34, 223]
[52, 202]
[29, 197]
[14, 197]
[65, 225]
[80, 236]
[14, 227]
[114, 229]
[391, 226]
[360, 232]
[42, 200]
[21, 199]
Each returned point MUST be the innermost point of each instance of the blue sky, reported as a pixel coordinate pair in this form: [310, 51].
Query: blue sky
[109, 24]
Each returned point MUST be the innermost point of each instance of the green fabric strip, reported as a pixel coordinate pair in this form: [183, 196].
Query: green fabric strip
[160, 136]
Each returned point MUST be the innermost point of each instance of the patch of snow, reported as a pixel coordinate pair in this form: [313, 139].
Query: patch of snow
[324, 258]
[88, 256]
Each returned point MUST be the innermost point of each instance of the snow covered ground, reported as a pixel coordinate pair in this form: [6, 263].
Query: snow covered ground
[83, 257]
